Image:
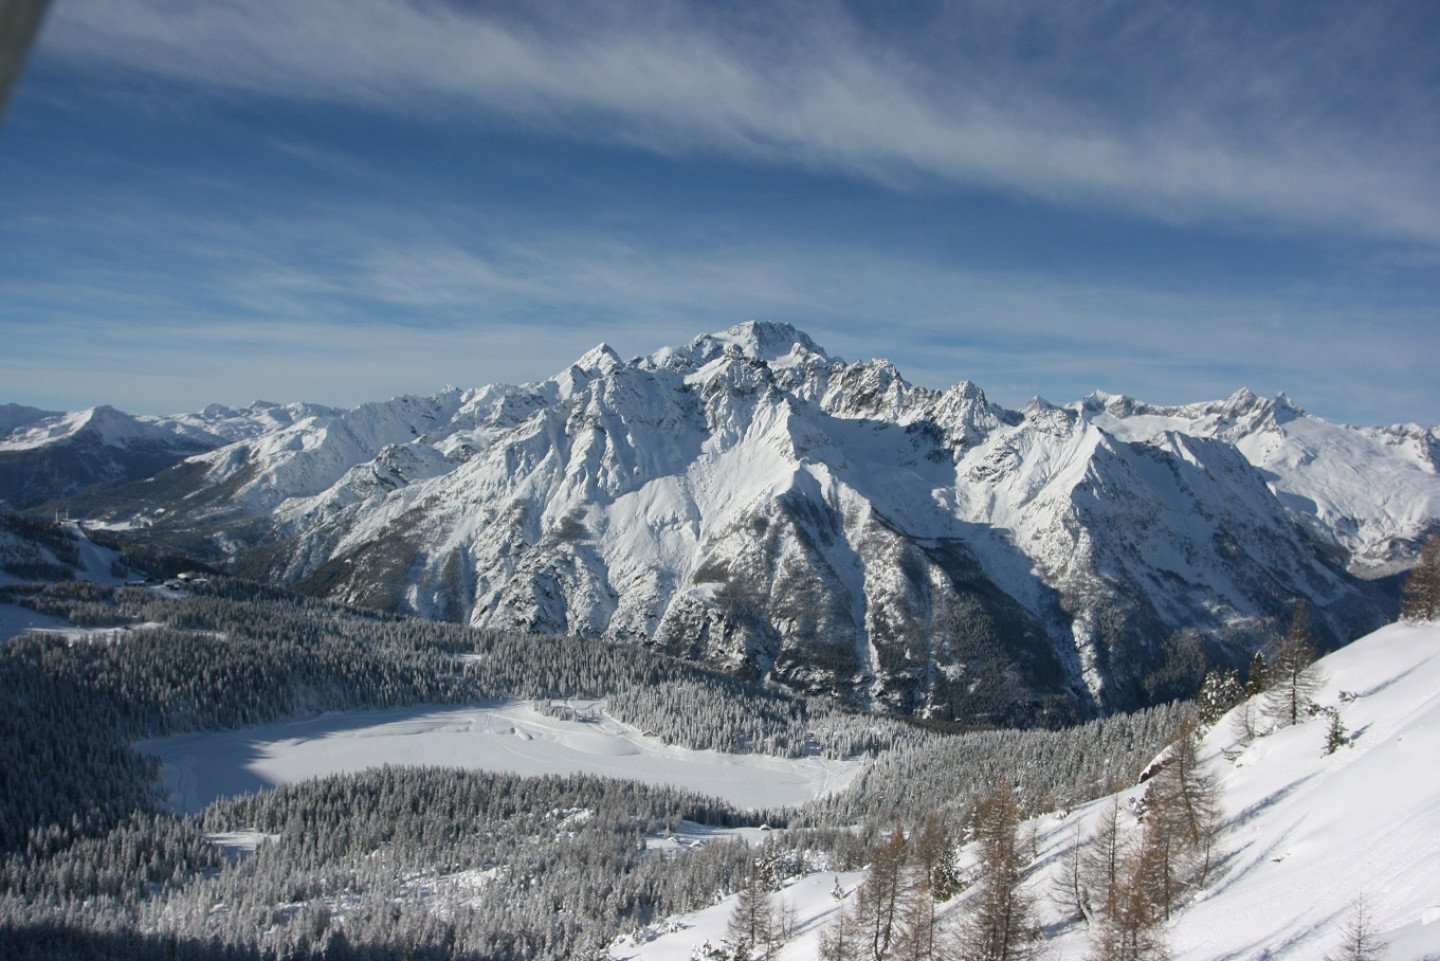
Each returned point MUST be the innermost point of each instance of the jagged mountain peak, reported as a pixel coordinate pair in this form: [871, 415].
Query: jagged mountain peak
[103, 425]
[1242, 399]
[1243, 405]
[600, 359]
[775, 344]
[751, 501]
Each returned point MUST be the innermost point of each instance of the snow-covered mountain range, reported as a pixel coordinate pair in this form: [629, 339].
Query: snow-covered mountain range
[45, 455]
[750, 501]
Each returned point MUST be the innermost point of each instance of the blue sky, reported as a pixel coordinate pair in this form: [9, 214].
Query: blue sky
[344, 200]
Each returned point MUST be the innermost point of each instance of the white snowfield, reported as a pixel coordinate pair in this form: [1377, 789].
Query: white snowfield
[1308, 834]
[510, 737]
[1304, 834]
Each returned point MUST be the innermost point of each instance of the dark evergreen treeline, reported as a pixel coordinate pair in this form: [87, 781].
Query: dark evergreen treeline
[34, 550]
[237, 654]
[416, 859]
[1049, 770]
[421, 862]
[65, 768]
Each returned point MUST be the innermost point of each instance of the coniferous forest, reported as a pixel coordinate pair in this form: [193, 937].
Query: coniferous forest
[424, 861]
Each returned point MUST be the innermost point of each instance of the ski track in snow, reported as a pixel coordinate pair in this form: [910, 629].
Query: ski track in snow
[510, 737]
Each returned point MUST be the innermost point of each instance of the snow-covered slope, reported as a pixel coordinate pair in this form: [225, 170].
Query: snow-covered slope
[1371, 490]
[45, 456]
[1305, 835]
[15, 417]
[750, 501]
[37, 552]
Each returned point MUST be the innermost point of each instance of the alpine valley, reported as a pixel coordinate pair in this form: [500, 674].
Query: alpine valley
[752, 503]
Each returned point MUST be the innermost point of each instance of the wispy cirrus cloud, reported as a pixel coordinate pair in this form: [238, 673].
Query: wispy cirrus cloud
[1291, 116]
[341, 200]
[400, 309]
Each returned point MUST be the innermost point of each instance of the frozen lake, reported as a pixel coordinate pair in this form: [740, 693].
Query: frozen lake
[510, 737]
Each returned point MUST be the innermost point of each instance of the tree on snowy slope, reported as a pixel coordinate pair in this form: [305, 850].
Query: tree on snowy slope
[1336, 736]
[1258, 678]
[1360, 943]
[1096, 870]
[1001, 925]
[1293, 676]
[1131, 926]
[843, 940]
[935, 856]
[1421, 590]
[880, 907]
[1180, 818]
[751, 920]
[932, 878]
[1184, 801]
[894, 917]
[1219, 692]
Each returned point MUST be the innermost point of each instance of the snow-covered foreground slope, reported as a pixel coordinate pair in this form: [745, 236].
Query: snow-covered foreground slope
[510, 737]
[1308, 834]
[1305, 834]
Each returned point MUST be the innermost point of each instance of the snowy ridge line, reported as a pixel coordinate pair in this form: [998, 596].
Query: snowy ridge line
[757, 505]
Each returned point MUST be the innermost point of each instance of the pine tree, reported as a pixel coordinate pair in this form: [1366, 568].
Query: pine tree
[1001, 925]
[1257, 680]
[1180, 819]
[1219, 692]
[1421, 590]
[1293, 677]
[1244, 723]
[1187, 796]
[1117, 880]
[1336, 736]
[1071, 891]
[932, 878]
[1104, 855]
[919, 926]
[1132, 925]
[843, 939]
[934, 854]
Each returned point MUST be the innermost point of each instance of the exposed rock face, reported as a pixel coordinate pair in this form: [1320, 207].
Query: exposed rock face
[754, 503]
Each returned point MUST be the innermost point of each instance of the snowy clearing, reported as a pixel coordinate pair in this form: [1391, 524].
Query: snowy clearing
[16, 620]
[510, 737]
[241, 842]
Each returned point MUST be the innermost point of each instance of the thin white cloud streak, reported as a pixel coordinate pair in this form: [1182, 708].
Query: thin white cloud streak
[1252, 145]
[522, 310]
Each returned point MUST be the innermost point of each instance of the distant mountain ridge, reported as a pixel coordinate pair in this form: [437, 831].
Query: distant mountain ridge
[750, 501]
[46, 455]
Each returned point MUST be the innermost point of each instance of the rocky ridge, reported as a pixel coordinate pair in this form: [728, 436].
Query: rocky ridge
[749, 501]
